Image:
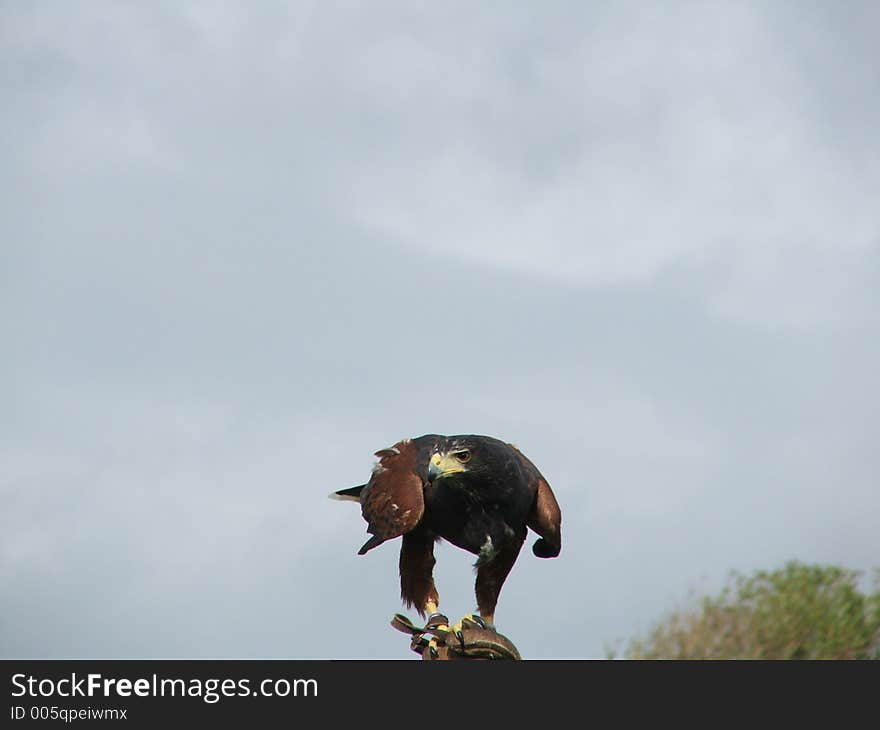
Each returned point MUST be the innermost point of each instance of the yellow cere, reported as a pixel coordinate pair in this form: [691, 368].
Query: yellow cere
[447, 463]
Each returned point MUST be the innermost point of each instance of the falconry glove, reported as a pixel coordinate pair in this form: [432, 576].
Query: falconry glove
[471, 641]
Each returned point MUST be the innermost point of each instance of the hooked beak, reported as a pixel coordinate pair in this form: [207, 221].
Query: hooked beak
[442, 465]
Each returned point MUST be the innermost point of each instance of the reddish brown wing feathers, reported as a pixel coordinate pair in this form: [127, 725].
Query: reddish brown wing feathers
[393, 502]
[545, 517]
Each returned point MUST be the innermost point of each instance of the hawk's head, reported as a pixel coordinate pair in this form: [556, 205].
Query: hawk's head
[461, 456]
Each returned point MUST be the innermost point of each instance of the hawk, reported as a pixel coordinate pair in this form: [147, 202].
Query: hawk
[477, 492]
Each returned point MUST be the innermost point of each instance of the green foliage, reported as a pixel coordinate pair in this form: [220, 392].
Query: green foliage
[798, 612]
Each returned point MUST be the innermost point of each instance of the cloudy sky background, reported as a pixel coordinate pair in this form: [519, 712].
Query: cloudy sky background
[244, 246]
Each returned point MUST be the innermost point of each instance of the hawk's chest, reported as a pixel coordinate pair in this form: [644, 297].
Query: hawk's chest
[465, 513]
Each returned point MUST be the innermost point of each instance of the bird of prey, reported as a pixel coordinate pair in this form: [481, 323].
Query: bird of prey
[477, 492]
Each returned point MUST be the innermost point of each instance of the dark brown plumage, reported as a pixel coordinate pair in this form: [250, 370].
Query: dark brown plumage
[477, 492]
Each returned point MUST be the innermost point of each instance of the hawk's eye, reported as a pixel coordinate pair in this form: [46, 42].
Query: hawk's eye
[462, 456]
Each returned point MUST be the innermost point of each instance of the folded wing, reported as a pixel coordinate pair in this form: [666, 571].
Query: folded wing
[545, 517]
[393, 501]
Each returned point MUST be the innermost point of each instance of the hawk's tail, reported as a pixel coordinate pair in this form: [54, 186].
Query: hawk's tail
[352, 494]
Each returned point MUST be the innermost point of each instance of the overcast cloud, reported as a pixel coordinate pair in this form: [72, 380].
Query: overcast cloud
[243, 246]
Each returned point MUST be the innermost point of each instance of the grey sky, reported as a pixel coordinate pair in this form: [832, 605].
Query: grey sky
[244, 246]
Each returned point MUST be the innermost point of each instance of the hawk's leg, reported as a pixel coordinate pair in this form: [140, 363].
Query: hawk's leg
[491, 574]
[417, 587]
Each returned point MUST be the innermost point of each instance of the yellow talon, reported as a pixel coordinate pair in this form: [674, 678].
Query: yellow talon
[437, 622]
[473, 619]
